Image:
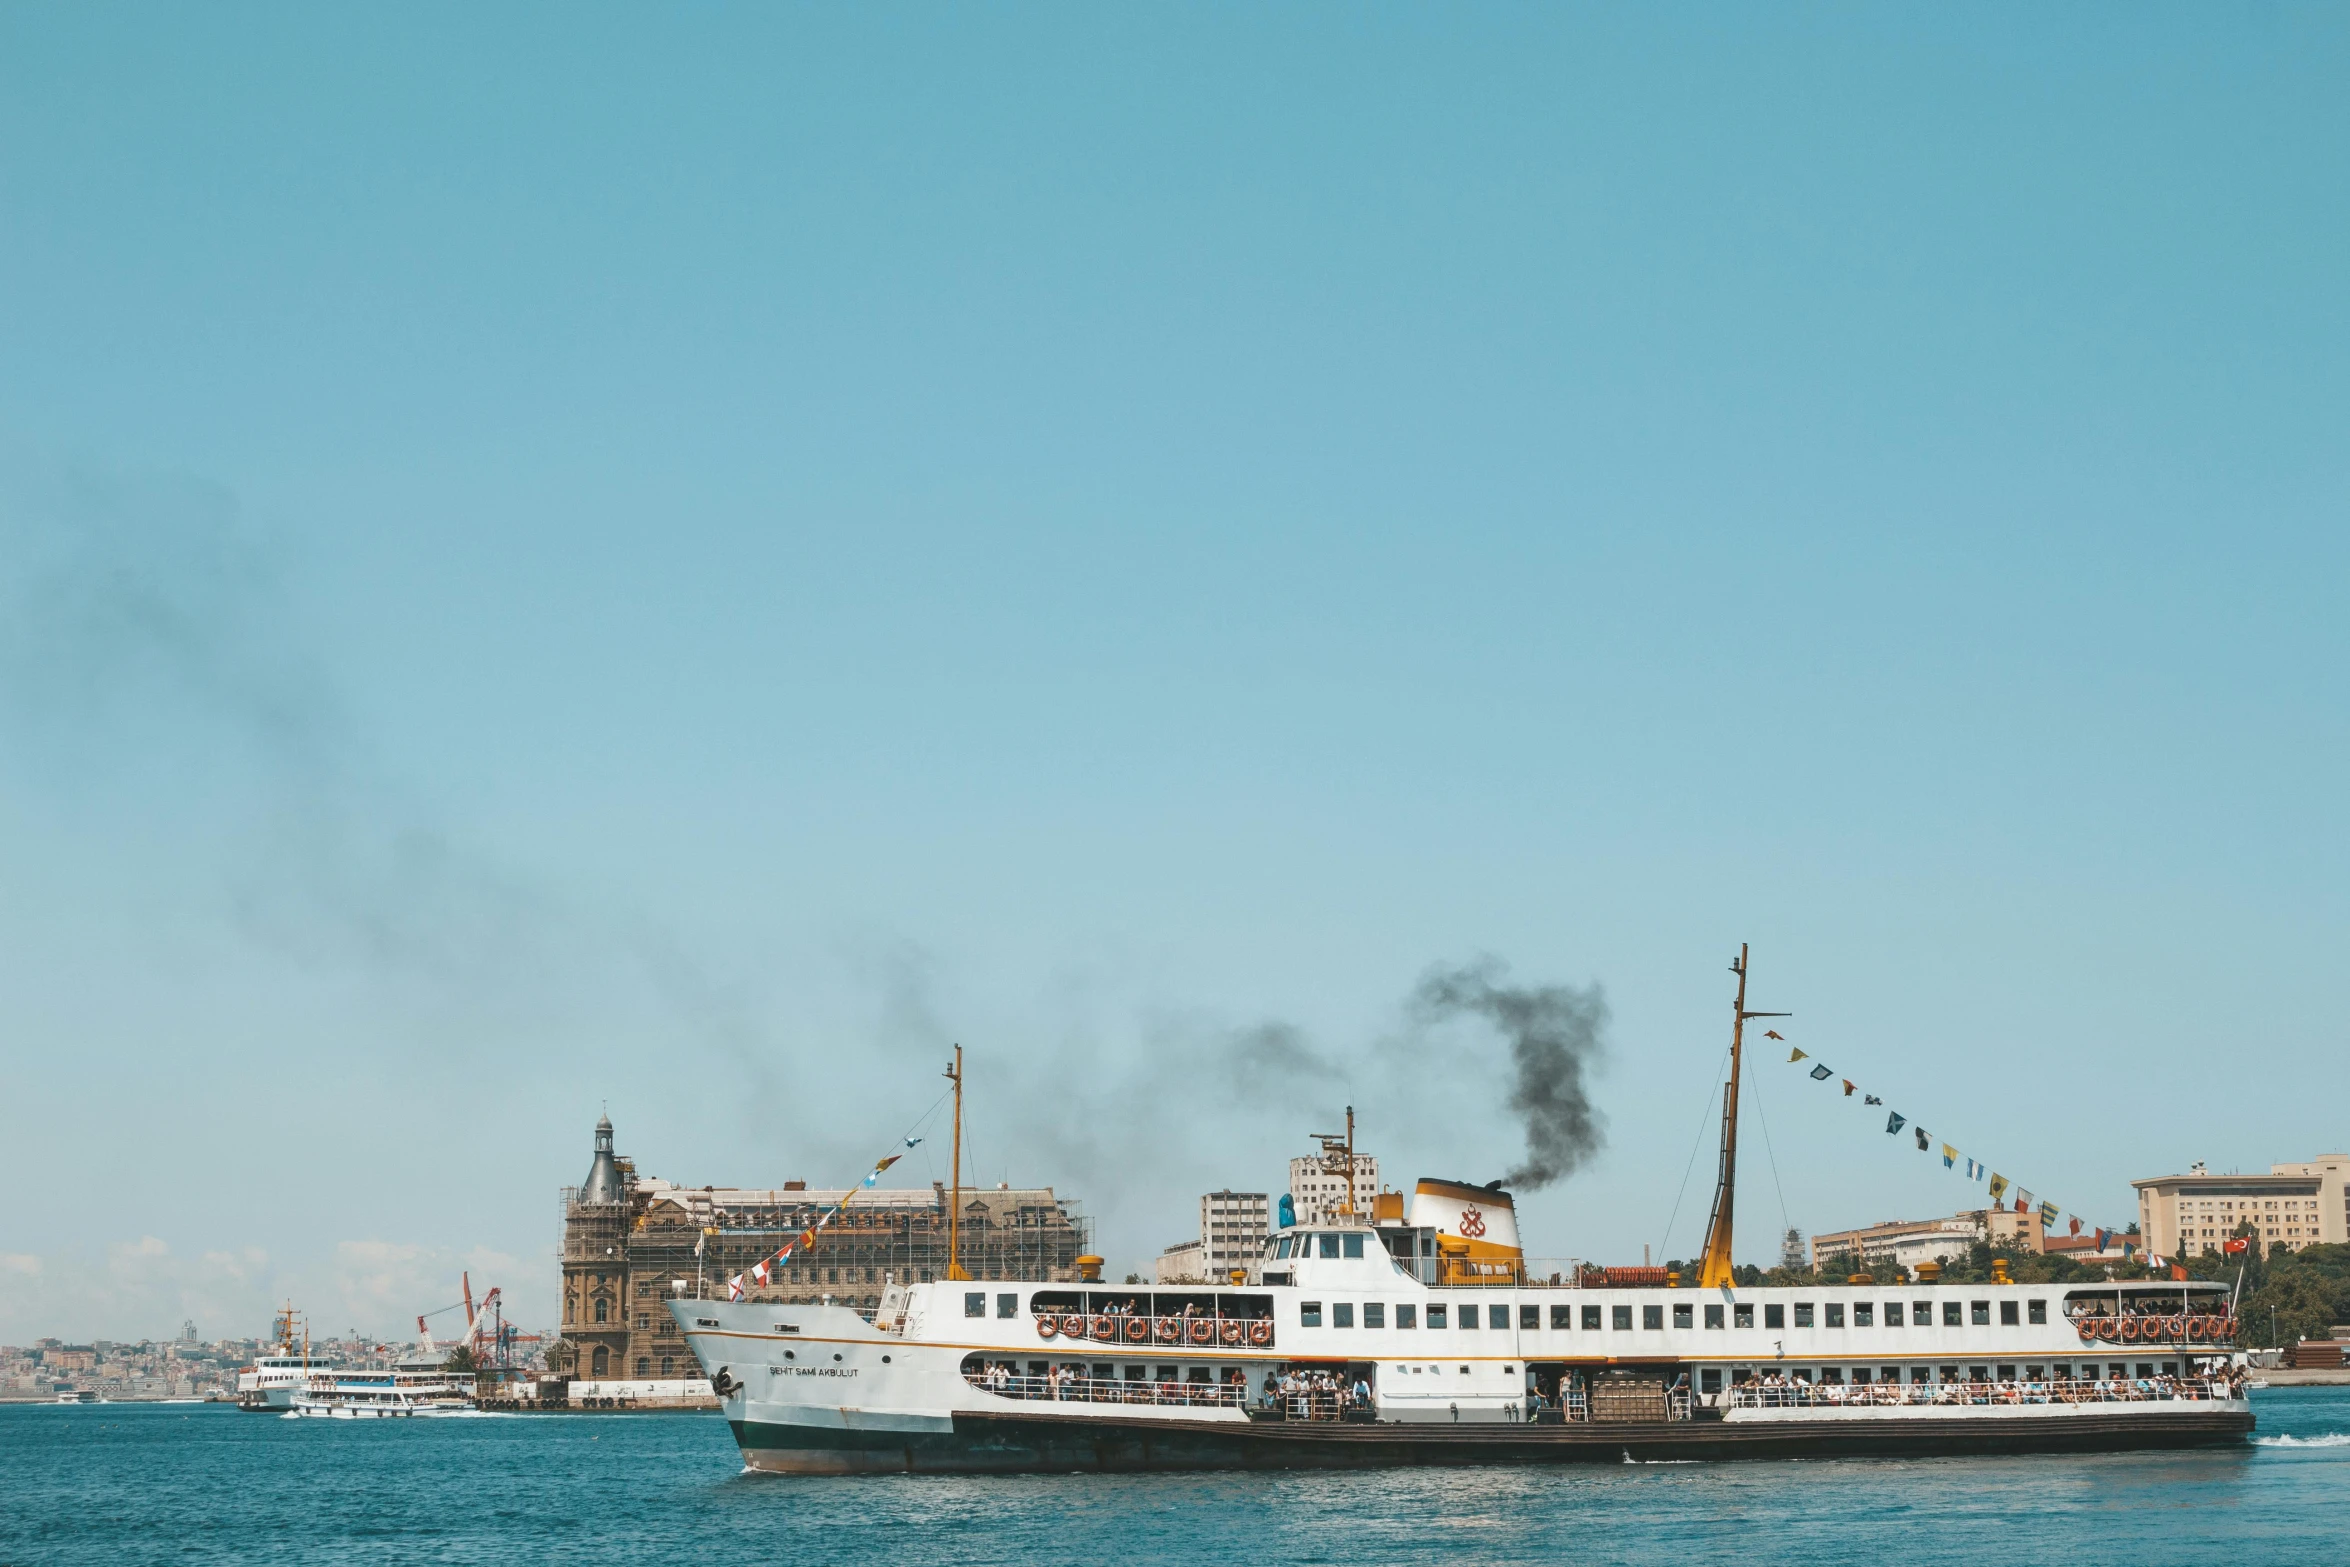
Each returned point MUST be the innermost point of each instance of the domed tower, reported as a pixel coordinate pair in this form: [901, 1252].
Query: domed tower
[603, 1179]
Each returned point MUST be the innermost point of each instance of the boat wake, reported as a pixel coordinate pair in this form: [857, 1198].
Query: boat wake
[2330, 1439]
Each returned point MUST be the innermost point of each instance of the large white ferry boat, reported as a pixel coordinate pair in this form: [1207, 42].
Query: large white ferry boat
[269, 1384]
[1419, 1333]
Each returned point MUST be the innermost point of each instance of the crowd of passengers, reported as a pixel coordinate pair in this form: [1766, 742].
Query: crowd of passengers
[1774, 1390]
[1075, 1382]
[1315, 1394]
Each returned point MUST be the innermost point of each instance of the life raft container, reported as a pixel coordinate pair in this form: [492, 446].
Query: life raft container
[1047, 1327]
[1201, 1331]
[1260, 1334]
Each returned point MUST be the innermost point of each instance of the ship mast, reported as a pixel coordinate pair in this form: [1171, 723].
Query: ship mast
[1713, 1269]
[955, 1203]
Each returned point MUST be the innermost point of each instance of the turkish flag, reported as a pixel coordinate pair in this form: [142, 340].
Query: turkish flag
[2240, 1243]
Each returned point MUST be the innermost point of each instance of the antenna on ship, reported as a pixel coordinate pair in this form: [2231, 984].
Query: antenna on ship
[1713, 1269]
[955, 1203]
[1333, 1150]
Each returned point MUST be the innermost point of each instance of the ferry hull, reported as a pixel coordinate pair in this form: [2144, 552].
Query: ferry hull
[1020, 1443]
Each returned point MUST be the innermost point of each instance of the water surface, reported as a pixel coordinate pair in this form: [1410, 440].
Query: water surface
[172, 1483]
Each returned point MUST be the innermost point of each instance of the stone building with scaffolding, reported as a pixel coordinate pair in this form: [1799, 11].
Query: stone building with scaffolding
[631, 1241]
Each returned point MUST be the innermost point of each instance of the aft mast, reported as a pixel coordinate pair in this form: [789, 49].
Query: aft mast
[955, 1203]
[1713, 1269]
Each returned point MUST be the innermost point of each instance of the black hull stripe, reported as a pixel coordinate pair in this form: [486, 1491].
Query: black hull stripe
[1015, 1444]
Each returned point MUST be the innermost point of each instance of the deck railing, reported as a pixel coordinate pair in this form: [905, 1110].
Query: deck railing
[1110, 1390]
[1832, 1395]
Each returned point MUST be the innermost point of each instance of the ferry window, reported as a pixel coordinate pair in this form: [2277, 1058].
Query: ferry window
[1888, 1373]
[1684, 1315]
[1982, 1313]
[1329, 1245]
[2035, 1373]
[1803, 1313]
[1621, 1317]
[2007, 1314]
[2170, 1368]
[1742, 1315]
[2036, 1313]
[2064, 1371]
[1166, 1374]
[1864, 1314]
[1138, 1373]
[1468, 1316]
[1926, 1373]
[1774, 1316]
[1952, 1315]
[1007, 1305]
[1653, 1318]
[1497, 1318]
[1407, 1316]
[1713, 1316]
[975, 1305]
[1978, 1373]
[2007, 1373]
[1590, 1319]
[1354, 1245]
[2145, 1368]
[1892, 1313]
[1309, 1313]
[1374, 1313]
[1835, 1313]
[1530, 1316]
[1342, 1314]
[1435, 1315]
[1709, 1380]
[1281, 1251]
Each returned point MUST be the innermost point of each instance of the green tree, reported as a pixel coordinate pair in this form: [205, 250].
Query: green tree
[461, 1360]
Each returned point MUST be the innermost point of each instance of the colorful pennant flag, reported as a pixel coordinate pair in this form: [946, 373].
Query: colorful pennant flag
[1794, 1056]
[1873, 1099]
[2102, 1237]
[1921, 1131]
[1894, 1121]
[1848, 1086]
[2023, 1200]
[2076, 1225]
[2048, 1217]
[1821, 1073]
[1998, 1187]
[1950, 1159]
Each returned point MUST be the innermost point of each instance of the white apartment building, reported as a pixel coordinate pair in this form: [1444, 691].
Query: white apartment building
[1232, 1229]
[1318, 1193]
[2293, 1206]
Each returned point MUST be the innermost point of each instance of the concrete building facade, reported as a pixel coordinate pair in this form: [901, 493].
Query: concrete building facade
[2293, 1206]
[1232, 1231]
[1317, 1192]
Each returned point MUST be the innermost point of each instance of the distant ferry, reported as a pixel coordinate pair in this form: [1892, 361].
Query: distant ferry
[269, 1384]
[1418, 1334]
[410, 1387]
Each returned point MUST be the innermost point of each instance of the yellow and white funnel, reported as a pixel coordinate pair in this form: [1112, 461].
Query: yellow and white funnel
[1476, 1228]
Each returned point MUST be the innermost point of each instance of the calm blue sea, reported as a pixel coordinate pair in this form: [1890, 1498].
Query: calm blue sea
[166, 1483]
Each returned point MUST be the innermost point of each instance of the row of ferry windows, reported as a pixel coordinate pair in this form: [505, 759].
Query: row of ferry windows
[1344, 1244]
[1740, 1314]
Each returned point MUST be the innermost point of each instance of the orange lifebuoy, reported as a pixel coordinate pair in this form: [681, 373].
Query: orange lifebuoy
[2198, 1328]
[1260, 1334]
[1137, 1330]
[1046, 1327]
[1073, 1326]
[1166, 1330]
[1105, 1326]
[1202, 1331]
[2109, 1328]
[2175, 1329]
[1232, 1333]
[2129, 1330]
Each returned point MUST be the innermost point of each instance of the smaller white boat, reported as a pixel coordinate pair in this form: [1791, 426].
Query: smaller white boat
[353, 1395]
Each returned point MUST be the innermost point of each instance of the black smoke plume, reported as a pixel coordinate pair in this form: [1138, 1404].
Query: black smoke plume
[1554, 1037]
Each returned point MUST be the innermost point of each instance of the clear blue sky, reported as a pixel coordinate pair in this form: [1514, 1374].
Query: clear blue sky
[691, 559]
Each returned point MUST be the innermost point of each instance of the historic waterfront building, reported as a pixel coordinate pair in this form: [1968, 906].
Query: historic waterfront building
[631, 1240]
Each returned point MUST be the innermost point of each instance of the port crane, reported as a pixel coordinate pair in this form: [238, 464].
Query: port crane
[487, 1332]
